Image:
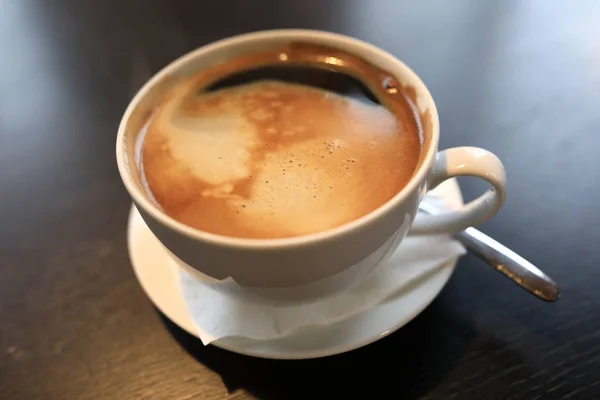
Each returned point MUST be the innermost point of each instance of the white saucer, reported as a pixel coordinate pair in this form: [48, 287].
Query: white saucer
[154, 270]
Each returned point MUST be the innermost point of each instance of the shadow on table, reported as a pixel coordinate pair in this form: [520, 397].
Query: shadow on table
[399, 365]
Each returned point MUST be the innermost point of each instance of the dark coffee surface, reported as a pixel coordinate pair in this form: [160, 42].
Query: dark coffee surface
[295, 140]
[75, 323]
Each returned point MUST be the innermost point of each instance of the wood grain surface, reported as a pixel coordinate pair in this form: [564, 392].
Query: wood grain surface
[520, 78]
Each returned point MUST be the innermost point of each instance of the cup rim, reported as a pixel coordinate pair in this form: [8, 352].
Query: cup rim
[140, 200]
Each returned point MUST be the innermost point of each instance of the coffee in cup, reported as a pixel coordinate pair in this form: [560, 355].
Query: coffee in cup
[286, 142]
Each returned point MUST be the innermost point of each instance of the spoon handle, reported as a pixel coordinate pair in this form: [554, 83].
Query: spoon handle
[504, 260]
[509, 263]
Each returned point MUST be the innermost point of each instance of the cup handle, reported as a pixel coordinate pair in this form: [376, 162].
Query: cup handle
[464, 161]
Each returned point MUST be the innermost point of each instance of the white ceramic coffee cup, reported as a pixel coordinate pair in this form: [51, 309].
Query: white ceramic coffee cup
[288, 262]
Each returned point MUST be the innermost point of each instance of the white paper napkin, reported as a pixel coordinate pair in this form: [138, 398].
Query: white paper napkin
[224, 309]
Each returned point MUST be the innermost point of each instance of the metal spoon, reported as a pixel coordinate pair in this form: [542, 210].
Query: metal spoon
[504, 260]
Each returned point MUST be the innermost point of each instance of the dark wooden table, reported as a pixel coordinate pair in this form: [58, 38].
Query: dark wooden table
[521, 78]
